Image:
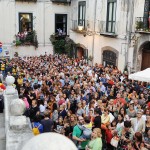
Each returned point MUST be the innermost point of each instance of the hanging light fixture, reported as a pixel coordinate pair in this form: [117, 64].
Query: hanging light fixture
[80, 27]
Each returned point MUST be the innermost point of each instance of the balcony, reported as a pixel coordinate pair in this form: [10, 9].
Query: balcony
[77, 28]
[110, 30]
[61, 1]
[26, 40]
[142, 25]
[26, 0]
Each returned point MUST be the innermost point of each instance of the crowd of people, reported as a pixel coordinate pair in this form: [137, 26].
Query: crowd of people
[97, 107]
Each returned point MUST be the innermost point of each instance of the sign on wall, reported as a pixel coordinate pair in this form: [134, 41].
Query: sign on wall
[1, 47]
[6, 51]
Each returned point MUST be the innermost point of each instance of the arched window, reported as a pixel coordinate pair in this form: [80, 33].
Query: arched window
[109, 57]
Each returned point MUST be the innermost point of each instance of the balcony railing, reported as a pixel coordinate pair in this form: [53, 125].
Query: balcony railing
[75, 27]
[26, 0]
[106, 30]
[61, 1]
[26, 40]
[142, 25]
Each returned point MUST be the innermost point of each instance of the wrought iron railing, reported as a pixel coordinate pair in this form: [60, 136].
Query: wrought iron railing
[142, 24]
[26, 39]
[26, 0]
[61, 1]
[75, 26]
[105, 28]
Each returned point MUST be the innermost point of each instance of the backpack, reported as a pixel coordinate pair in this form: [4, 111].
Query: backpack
[35, 129]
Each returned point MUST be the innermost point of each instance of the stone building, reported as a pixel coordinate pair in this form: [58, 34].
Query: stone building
[43, 16]
[112, 32]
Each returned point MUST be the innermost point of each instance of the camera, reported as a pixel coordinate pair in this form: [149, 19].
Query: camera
[127, 135]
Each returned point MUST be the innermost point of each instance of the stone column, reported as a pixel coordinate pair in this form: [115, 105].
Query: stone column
[17, 127]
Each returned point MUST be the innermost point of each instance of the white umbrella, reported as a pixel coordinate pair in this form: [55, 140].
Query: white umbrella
[141, 75]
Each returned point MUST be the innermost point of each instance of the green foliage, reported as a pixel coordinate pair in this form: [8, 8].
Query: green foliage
[90, 58]
[59, 46]
[139, 25]
[31, 39]
[18, 43]
[62, 44]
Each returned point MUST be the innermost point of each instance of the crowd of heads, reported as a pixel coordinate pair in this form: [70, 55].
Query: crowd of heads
[70, 92]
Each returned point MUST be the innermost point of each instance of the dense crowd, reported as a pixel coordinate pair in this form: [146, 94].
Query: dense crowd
[97, 107]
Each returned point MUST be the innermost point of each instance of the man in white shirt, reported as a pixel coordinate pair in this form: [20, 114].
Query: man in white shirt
[138, 123]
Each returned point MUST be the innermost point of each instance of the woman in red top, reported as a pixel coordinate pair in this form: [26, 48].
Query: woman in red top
[109, 136]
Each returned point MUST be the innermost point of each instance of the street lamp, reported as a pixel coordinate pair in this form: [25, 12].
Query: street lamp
[80, 27]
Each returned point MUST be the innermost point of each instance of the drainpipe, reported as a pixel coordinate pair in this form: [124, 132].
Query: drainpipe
[93, 43]
[129, 27]
[128, 34]
[44, 23]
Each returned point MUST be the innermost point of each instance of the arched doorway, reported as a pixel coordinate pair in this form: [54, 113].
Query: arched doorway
[145, 56]
[81, 52]
[109, 58]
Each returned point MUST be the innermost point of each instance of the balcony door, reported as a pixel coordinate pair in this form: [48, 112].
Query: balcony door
[146, 14]
[25, 22]
[61, 24]
[81, 13]
[111, 16]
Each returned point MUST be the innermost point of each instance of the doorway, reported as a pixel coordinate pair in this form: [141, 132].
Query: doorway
[109, 58]
[80, 53]
[146, 56]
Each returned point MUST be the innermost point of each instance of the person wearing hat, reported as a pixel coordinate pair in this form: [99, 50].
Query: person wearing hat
[138, 123]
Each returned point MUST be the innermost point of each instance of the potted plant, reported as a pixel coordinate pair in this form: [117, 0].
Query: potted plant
[62, 45]
[139, 25]
[90, 58]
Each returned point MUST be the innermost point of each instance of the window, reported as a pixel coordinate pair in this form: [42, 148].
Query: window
[61, 23]
[146, 14]
[147, 8]
[25, 22]
[109, 58]
[81, 13]
[111, 16]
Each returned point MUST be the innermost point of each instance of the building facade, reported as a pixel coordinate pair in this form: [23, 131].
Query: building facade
[42, 16]
[115, 32]
[111, 32]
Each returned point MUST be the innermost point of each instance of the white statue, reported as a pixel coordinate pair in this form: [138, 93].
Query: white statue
[10, 89]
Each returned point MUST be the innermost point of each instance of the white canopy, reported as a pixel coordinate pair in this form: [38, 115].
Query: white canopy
[141, 75]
